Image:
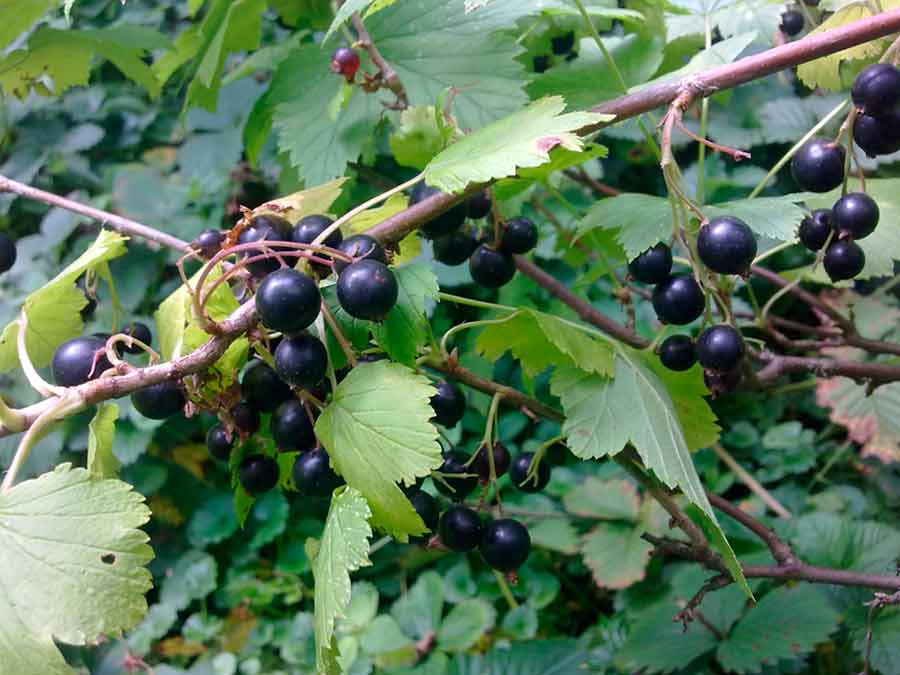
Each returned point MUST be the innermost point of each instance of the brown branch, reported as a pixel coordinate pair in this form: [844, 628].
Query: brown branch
[118, 223]
[388, 74]
[780, 550]
[579, 175]
[871, 372]
[747, 479]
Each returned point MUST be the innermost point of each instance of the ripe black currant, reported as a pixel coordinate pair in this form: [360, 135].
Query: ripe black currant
[78, 360]
[518, 473]
[677, 352]
[367, 289]
[460, 529]
[818, 165]
[720, 348]
[345, 61]
[877, 135]
[726, 245]
[457, 483]
[159, 401]
[258, 473]
[844, 260]
[518, 235]
[562, 44]
[427, 508]
[791, 22]
[288, 301]
[478, 205]
[482, 465]
[678, 300]
[291, 427]
[855, 215]
[264, 227]
[444, 223]
[262, 388]
[218, 442]
[720, 383]
[491, 268]
[139, 331]
[7, 252]
[505, 544]
[309, 227]
[246, 418]
[301, 361]
[815, 229]
[653, 266]
[208, 243]
[359, 247]
[877, 89]
[313, 475]
[449, 404]
[454, 248]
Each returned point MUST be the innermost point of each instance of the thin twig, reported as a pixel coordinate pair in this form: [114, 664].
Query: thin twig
[747, 479]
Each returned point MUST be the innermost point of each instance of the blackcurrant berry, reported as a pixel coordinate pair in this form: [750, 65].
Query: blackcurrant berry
[844, 260]
[262, 388]
[562, 44]
[258, 473]
[460, 529]
[791, 22]
[219, 443]
[208, 243]
[313, 475]
[449, 404]
[291, 427]
[877, 89]
[482, 465]
[678, 300]
[78, 360]
[159, 401]
[818, 165]
[720, 383]
[518, 235]
[246, 418]
[726, 245]
[7, 252]
[309, 227]
[720, 348]
[454, 248]
[478, 205]
[139, 331]
[855, 214]
[359, 247]
[427, 508]
[518, 473]
[505, 544]
[457, 482]
[491, 268]
[264, 227]
[677, 352]
[288, 301]
[345, 61]
[301, 361]
[877, 135]
[367, 289]
[444, 223]
[653, 266]
[815, 229]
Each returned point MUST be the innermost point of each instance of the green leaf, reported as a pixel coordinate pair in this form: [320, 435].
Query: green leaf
[126, 47]
[383, 636]
[688, 391]
[418, 611]
[774, 217]
[419, 137]
[885, 640]
[193, 577]
[71, 566]
[785, 624]
[533, 657]
[604, 499]
[406, 329]
[616, 554]
[343, 549]
[554, 534]
[101, 461]
[17, 16]
[344, 12]
[315, 200]
[53, 310]
[719, 54]
[872, 418]
[377, 431]
[213, 521]
[828, 540]
[540, 341]
[657, 644]
[523, 139]
[641, 221]
[410, 245]
[465, 624]
[521, 622]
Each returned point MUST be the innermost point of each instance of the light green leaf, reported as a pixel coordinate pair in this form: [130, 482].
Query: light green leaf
[17, 16]
[410, 245]
[641, 221]
[604, 499]
[418, 611]
[616, 554]
[785, 624]
[61, 55]
[315, 200]
[554, 534]
[344, 12]
[521, 622]
[773, 217]
[126, 47]
[383, 635]
[53, 310]
[343, 549]
[192, 578]
[71, 566]
[540, 341]
[406, 327]
[101, 461]
[419, 137]
[377, 431]
[465, 624]
[266, 59]
[719, 54]
[688, 391]
[523, 139]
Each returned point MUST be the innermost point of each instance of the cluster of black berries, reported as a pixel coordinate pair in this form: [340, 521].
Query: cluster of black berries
[719, 349]
[876, 94]
[853, 216]
[677, 298]
[454, 241]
